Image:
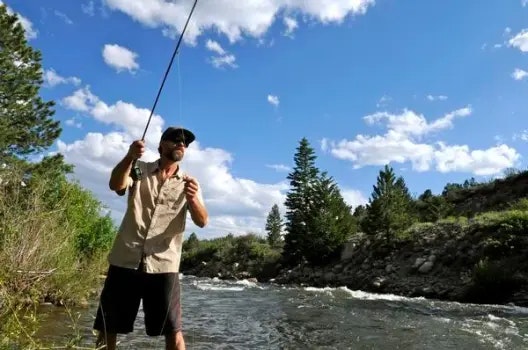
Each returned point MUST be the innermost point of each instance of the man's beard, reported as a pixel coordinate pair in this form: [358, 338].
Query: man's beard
[174, 155]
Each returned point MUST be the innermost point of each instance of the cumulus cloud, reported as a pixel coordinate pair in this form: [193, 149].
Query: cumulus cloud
[124, 116]
[236, 205]
[353, 197]
[74, 123]
[291, 25]
[403, 142]
[519, 74]
[52, 78]
[222, 58]
[246, 18]
[30, 32]
[120, 58]
[520, 40]
[274, 100]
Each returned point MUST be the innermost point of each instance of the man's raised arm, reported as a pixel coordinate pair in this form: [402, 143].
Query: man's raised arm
[119, 177]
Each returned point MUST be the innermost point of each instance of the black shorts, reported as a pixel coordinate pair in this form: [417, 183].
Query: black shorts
[120, 299]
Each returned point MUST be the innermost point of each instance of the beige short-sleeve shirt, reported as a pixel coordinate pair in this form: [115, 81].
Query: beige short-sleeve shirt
[154, 222]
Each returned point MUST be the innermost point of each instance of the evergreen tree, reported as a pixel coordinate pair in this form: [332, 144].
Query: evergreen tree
[26, 125]
[299, 201]
[360, 213]
[330, 224]
[431, 208]
[274, 226]
[390, 207]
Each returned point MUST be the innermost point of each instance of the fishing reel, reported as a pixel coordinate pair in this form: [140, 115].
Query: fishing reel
[135, 172]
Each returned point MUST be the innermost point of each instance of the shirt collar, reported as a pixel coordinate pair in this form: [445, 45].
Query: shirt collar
[154, 166]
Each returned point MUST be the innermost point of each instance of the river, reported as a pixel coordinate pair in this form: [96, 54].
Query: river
[244, 315]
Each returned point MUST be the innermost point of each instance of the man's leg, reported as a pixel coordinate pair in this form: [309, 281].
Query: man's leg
[106, 341]
[174, 341]
[118, 306]
[161, 305]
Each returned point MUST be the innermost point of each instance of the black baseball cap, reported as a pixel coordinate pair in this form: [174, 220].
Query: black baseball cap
[176, 133]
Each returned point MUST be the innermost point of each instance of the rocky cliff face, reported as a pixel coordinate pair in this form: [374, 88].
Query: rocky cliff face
[468, 262]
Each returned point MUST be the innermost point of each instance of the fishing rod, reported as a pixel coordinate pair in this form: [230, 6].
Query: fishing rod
[136, 172]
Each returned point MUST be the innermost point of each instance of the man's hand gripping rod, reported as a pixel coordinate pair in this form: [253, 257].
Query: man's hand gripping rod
[136, 172]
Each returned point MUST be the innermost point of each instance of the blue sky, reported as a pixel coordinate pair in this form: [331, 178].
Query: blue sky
[436, 89]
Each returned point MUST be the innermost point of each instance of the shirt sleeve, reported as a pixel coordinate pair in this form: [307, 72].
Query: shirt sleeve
[130, 181]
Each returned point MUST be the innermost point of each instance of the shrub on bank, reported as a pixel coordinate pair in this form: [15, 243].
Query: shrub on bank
[53, 242]
[232, 257]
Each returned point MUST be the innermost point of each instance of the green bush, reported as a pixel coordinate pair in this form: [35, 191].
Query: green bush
[51, 235]
[247, 253]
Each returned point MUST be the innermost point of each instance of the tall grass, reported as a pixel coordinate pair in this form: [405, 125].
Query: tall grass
[40, 255]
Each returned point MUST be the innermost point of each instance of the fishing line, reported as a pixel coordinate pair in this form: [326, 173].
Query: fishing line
[136, 171]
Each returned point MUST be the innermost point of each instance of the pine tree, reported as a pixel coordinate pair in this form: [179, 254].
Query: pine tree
[330, 224]
[274, 226]
[26, 125]
[390, 207]
[431, 208]
[299, 201]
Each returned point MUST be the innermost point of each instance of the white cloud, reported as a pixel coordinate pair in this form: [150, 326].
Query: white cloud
[120, 58]
[52, 78]
[519, 74]
[279, 167]
[223, 58]
[81, 100]
[215, 47]
[274, 100]
[63, 16]
[401, 143]
[520, 40]
[291, 25]
[479, 162]
[88, 8]
[524, 3]
[221, 61]
[436, 98]
[74, 123]
[125, 116]
[30, 32]
[410, 123]
[233, 19]
[353, 197]
[523, 135]
[235, 205]
[383, 101]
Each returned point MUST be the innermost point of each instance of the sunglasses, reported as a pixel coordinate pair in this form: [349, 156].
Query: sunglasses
[177, 141]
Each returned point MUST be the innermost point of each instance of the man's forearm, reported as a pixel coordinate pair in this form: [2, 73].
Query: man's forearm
[198, 212]
[119, 177]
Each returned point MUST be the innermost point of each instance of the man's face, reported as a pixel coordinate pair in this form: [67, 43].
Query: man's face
[173, 149]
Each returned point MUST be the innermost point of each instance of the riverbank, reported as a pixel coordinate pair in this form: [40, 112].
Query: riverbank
[53, 247]
[478, 260]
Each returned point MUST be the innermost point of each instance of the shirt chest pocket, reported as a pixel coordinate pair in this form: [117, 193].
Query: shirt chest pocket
[173, 195]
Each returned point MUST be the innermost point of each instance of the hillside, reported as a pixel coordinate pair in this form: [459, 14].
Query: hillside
[496, 195]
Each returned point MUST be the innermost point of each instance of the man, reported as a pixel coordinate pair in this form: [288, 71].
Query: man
[145, 257]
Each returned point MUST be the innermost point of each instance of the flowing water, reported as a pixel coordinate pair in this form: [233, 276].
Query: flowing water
[245, 315]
